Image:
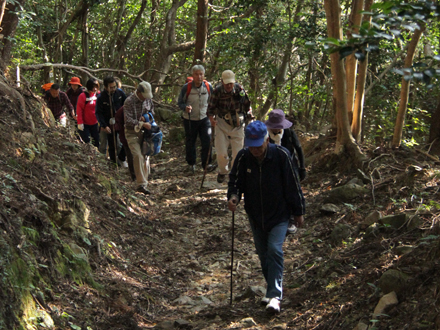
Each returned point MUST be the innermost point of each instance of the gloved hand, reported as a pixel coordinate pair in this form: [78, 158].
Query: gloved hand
[302, 174]
[112, 121]
[81, 127]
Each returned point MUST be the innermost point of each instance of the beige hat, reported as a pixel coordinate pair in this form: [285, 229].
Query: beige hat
[228, 77]
[145, 89]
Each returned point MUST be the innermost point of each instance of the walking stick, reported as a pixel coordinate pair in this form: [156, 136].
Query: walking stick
[232, 252]
[113, 130]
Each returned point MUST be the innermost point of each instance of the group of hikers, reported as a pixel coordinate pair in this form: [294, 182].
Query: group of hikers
[265, 167]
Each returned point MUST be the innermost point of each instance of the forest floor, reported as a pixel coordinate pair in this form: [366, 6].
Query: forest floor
[163, 261]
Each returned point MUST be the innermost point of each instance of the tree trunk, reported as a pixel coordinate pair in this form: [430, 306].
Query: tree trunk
[168, 40]
[344, 140]
[150, 44]
[280, 78]
[202, 31]
[9, 25]
[358, 109]
[434, 131]
[122, 44]
[404, 91]
[351, 61]
[85, 44]
[116, 30]
[78, 12]
[2, 10]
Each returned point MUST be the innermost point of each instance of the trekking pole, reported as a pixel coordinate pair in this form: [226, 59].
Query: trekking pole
[113, 130]
[207, 160]
[232, 252]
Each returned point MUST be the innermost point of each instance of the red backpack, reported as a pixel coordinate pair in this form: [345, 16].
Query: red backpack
[189, 87]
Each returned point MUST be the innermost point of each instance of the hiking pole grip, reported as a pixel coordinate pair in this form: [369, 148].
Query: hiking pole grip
[232, 253]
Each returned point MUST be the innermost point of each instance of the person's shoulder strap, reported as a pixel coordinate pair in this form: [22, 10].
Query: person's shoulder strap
[188, 90]
[207, 86]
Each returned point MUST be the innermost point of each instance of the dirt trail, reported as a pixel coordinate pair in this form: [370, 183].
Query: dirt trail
[163, 261]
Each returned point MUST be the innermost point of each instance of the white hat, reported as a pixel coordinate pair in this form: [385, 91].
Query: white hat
[145, 89]
[228, 77]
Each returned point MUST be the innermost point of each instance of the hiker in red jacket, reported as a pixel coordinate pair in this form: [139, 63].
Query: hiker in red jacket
[193, 100]
[85, 111]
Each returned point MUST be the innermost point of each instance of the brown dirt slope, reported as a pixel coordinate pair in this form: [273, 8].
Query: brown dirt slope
[81, 249]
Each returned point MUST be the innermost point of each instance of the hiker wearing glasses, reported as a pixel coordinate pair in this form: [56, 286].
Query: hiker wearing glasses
[108, 102]
[265, 175]
[193, 100]
[134, 109]
[56, 101]
[228, 109]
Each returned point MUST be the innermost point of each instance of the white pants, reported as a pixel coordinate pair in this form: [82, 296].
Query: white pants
[141, 163]
[225, 134]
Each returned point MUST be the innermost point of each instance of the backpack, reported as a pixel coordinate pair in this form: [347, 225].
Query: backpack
[189, 87]
[152, 139]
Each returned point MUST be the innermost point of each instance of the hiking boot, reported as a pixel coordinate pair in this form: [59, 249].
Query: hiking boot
[292, 229]
[273, 306]
[211, 167]
[265, 301]
[143, 190]
[221, 178]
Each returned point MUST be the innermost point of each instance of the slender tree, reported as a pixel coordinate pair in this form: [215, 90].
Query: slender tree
[202, 31]
[344, 140]
[351, 61]
[404, 91]
[358, 108]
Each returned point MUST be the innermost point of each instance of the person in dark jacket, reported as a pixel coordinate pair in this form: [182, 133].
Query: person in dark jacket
[265, 175]
[108, 102]
[120, 128]
[56, 101]
[282, 133]
[74, 91]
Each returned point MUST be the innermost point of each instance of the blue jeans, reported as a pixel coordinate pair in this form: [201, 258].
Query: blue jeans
[202, 128]
[269, 246]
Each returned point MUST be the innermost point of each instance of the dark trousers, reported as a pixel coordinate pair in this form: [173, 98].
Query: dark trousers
[111, 145]
[201, 128]
[90, 130]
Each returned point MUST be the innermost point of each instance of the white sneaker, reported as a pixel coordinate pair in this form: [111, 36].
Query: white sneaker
[273, 306]
[292, 229]
[264, 301]
[124, 163]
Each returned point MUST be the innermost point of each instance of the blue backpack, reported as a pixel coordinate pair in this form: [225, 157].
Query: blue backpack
[152, 139]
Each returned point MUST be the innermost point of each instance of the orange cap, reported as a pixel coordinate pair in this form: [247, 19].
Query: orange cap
[47, 86]
[75, 81]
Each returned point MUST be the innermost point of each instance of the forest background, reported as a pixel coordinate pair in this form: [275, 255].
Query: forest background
[349, 64]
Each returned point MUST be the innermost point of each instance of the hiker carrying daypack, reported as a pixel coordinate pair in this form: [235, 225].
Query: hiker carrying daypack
[189, 81]
[152, 138]
[193, 100]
